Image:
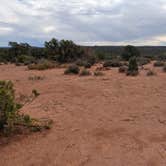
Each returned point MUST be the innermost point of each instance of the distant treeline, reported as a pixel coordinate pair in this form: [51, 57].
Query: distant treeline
[62, 51]
[146, 51]
[65, 51]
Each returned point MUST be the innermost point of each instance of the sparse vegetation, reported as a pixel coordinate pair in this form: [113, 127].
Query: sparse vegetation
[98, 73]
[150, 73]
[25, 59]
[84, 63]
[85, 72]
[158, 64]
[42, 65]
[133, 67]
[129, 52]
[123, 69]
[112, 63]
[11, 120]
[143, 61]
[8, 108]
[87, 65]
[72, 69]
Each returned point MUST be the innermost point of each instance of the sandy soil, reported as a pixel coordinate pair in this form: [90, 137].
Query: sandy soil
[112, 120]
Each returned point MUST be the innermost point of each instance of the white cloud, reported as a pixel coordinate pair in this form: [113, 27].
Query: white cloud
[49, 29]
[5, 30]
[88, 21]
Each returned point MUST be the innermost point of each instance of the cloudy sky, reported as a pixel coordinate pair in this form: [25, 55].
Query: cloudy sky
[87, 22]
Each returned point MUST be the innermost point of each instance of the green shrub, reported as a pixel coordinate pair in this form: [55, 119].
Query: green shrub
[158, 64]
[11, 120]
[8, 108]
[129, 52]
[112, 63]
[98, 73]
[25, 59]
[43, 65]
[85, 72]
[133, 67]
[72, 69]
[123, 69]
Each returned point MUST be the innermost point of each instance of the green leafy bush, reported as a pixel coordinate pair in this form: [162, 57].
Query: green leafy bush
[129, 52]
[72, 69]
[8, 108]
[133, 67]
[11, 120]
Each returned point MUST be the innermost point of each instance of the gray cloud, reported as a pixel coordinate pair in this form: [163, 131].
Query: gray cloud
[86, 22]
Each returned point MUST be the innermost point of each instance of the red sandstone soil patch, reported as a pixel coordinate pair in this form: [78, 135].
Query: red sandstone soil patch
[113, 120]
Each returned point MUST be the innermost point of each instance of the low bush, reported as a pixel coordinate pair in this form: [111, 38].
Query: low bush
[72, 69]
[25, 59]
[143, 61]
[123, 69]
[112, 63]
[158, 64]
[42, 65]
[98, 73]
[150, 73]
[85, 72]
[133, 67]
[11, 120]
[8, 108]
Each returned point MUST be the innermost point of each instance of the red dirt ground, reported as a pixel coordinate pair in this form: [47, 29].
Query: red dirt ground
[113, 120]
